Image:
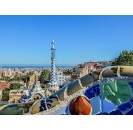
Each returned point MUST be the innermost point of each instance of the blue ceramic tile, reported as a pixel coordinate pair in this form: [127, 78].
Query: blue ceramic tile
[125, 106]
[130, 112]
[90, 93]
[67, 110]
[131, 100]
[107, 106]
[43, 105]
[131, 83]
[96, 89]
[115, 112]
[61, 111]
[96, 105]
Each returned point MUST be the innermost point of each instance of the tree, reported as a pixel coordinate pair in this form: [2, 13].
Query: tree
[25, 78]
[5, 94]
[125, 58]
[29, 74]
[68, 71]
[15, 86]
[44, 76]
[8, 79]
[44, 86]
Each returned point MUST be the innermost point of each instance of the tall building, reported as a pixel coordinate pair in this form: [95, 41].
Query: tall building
[61, 78]
[53, 86]
[80, 70]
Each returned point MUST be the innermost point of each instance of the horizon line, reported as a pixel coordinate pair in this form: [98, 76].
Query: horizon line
[36, 64]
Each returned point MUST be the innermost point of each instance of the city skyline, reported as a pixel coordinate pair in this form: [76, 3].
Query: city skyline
[27, 39]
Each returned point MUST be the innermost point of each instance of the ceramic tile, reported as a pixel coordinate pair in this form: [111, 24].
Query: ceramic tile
[125, 106]
[107, 106]
[96, 105]
[90, 93]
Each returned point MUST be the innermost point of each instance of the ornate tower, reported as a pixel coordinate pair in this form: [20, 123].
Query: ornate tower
[53, 86]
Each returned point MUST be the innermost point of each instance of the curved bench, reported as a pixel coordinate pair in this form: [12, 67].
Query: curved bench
[63, 96]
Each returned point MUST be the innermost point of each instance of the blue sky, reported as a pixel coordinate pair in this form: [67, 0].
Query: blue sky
[27, 39]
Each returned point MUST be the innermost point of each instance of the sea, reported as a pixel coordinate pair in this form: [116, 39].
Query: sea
[34, 66]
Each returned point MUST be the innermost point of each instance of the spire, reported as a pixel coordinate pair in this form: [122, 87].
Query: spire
[53, 44]
[53, 86]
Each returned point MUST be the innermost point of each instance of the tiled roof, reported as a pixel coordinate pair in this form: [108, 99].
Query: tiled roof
[94, 64]
[4, 85]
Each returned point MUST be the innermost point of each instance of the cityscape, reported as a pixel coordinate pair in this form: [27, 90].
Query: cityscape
[76, 79]
[16, 82]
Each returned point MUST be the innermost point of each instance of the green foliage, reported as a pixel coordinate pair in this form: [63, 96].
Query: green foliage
[6, 79]
[44, 86]
[44, 76]
[15, 86]
[125, 58]
[5, 95]
[16, 78]
[68, 71]
[29, 74]
[25, 78]
[7, 89]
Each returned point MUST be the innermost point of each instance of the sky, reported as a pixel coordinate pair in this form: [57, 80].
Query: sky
[27, 39]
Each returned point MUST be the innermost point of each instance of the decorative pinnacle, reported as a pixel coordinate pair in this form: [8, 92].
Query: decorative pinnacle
[53, 44]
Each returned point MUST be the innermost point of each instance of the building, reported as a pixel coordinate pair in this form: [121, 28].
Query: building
[34, 93]
[107, 63]
[80, 70]
[83, 69]
[92, 66]
[61, 78]
[53, 85]
[15, 96]
[4, 85]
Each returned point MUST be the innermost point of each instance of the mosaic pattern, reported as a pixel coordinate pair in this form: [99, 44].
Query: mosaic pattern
[116, 93]
[107, 106]
[93, 91]
[125, 108]
[96, 105]
[53, 77]
[16, 109]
